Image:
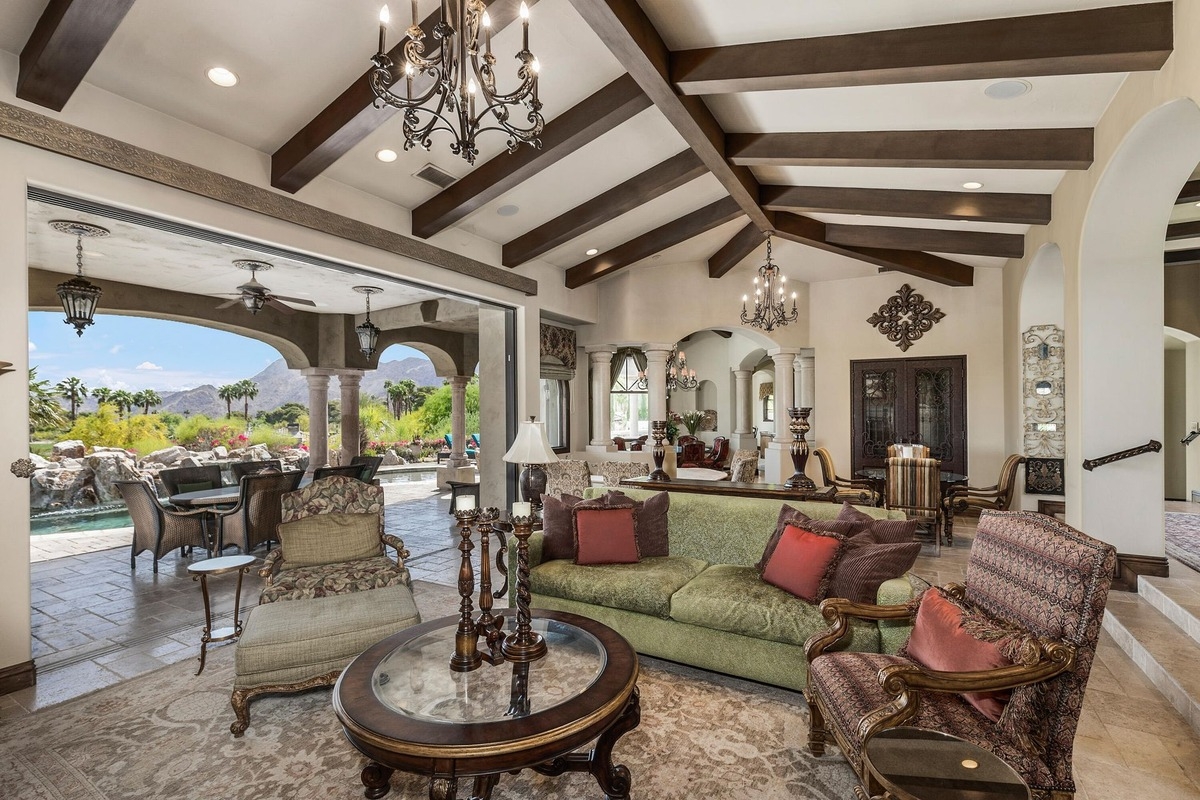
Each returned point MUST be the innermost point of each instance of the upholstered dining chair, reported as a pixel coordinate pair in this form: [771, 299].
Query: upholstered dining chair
[743, 466]
[619, 441]
[1044, 621]
[960, 499]
[240, 468]
[851, 490]
[638, 444]
[157, 528]
[257, 514]
[715, 459]
[691, 452]
[613, 472]
[914, 486]
[190, 479]
[567, 476]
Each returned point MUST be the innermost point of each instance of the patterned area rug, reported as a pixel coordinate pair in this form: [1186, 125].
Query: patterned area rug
[167, 735]
[1183, 538]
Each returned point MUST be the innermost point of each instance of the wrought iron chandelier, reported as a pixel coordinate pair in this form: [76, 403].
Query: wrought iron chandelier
[679, 377]
[78, 296]
[454, 88]
[367, 333]
[770, 312]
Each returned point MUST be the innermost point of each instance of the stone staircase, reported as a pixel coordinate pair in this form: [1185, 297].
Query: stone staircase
[1159, 628]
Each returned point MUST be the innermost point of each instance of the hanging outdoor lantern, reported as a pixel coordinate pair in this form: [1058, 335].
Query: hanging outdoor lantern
[78, 296]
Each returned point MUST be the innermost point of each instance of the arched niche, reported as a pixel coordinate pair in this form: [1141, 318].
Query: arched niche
[1042, 368]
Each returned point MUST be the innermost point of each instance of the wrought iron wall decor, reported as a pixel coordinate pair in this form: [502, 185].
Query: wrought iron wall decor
[1044, 475]
[1042, 391]
[906, 317]
[708, 422]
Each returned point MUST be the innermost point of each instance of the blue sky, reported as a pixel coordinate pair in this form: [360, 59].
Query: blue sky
[137, 353]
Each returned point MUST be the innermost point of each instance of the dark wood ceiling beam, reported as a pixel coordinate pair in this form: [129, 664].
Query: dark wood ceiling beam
[1026, 209]
[67, 40]
[623, 198]
[814, 233]
[585, 122]
[1183, 230]
[652, 242]
[972, 243]
[1052, 148]
[1121, 39]
[352, 116]
[629, 35]
[743, 243]
[1180, 258]
[1190, 193]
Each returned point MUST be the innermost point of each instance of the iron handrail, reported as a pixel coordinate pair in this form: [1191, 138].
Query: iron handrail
[1150, 447]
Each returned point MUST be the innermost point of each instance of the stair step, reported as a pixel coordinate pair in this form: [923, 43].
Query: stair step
[1160, 648]
[1178, 599]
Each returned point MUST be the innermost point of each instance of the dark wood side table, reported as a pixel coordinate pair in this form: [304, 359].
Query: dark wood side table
[220, 566]
[919, 764]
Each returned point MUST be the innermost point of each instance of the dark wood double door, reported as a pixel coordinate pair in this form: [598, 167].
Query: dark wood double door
[909, 400]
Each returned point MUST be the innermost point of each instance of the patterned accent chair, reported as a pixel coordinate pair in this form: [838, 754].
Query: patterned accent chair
[613, 472]
[851, 490]
[918, 451]
[567, 476]
[240, 468]
[914, 486]
[256, 516]
[743, 466]
[960, 498]
[193, 478]
[157, 528]
[1052, 617]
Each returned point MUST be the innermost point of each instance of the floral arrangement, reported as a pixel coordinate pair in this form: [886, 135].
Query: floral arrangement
[691, 420]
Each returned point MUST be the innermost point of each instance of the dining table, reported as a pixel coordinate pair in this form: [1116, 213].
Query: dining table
[878, 478]
[226, 495]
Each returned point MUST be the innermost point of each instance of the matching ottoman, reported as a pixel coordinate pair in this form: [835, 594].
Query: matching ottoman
[302, 644]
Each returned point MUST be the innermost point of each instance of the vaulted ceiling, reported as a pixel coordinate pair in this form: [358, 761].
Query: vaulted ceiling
[675, 131]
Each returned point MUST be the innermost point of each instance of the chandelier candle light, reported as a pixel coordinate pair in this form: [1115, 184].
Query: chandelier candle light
[679, 377]
[769, 309]
[444, 89]
[78, 296]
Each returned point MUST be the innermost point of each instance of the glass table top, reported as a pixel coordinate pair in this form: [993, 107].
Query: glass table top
[415, 679]
[932, 765]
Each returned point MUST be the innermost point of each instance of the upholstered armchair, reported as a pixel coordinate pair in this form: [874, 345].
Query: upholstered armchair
[156, 528]
[257, 514]
[1045, 620]
[613, 472]
[852, 490]
[719, 453]
[914, 486]
[998, 497]
[567, 476]
[743, 466]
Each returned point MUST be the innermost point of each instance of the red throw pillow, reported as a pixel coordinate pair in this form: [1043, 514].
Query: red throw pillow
[802, 563]
[606, 536]
[558, 536]
[939, 641]
[793, 516]
[651, 520]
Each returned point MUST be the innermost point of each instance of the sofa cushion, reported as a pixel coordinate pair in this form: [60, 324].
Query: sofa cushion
[651, 521]
[804, 562]
[605, 535]
[324, 580]
[329, 539]
[735, 599]
[558, 537]
[645, 587]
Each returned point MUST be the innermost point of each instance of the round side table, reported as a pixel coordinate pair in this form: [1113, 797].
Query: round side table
[919, 764]
[220, 566]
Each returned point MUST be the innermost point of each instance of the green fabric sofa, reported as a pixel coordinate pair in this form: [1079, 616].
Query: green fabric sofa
[704, 604]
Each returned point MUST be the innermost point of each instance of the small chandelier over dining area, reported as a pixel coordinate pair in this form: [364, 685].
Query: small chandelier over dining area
[78, 296]
[453, 89]
[679, 377]
[770, 311]
[368, 334]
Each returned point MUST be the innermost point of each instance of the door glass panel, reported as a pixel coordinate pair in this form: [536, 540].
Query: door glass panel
[933, 401]
[879, 411]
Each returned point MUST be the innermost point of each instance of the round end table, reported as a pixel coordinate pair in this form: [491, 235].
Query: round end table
[920, 764]
[220, 566]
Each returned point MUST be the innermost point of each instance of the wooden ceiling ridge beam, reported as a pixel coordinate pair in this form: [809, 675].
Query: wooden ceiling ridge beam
[655, 241]
[352, 116]
[1022, 148]
[1183, 230]
[67, 40]
[1023, 209]
[588, 120]
[1190, 193]
[743, 243]
[935, 240]
[1180, 258]
[677, 170]
[1117, 39]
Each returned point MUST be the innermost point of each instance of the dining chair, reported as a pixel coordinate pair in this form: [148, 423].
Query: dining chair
[918, 450]
[999, 497]
[190, 479]
[914, 486]
[257, 514]
[851, 490]
[240, 468]
[619, 441]
[345, 470]
[691, 452]
[157, 528]
[368, 465]
[716, 458]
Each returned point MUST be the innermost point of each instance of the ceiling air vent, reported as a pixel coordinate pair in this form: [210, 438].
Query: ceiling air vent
[435, 175]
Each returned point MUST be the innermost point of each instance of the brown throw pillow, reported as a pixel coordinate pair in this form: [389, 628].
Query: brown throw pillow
[883, 531]
[651, 520]
[558, 538]
[865, 565]
[794, 516]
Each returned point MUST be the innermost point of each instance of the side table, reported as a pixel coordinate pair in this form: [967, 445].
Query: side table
[220, 566]
[919, 764]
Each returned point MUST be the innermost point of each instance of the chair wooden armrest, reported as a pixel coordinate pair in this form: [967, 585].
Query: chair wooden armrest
[397, 543]
[271, 563]
[837, 612]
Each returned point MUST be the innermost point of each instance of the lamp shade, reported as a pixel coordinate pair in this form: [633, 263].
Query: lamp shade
[531, 445]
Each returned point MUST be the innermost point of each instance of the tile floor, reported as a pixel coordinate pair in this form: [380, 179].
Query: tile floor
[113, 625]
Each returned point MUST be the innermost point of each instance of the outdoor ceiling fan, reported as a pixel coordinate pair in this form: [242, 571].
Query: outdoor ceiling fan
[253, 295]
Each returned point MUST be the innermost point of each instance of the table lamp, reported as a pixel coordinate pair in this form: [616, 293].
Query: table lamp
[531, 449]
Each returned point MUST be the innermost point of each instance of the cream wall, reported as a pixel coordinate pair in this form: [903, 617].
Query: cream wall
[1175, 416]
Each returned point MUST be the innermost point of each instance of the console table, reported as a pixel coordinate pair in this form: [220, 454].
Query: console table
[775, 491]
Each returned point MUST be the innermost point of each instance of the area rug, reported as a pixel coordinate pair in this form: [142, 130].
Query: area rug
[1183, 538]
[166, 734]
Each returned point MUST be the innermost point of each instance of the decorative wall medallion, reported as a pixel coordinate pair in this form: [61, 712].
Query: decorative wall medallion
[1044, 476]
[558, 342]
[1042, 396]
[906, 317]
[708, 422]
[23, 468]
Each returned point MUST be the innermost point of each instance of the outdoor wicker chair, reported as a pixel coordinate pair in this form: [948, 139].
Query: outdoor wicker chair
[369, 465]
[345, 471]
[190, 479]
[240, 468]
[256, 516]
[157, 528]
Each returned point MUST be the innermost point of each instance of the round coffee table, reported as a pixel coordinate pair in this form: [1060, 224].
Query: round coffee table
[402, 707]
[919, 764]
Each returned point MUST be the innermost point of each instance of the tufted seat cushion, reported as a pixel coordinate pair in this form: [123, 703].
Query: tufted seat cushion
[324, 580]
[848, 684]
[645, 587]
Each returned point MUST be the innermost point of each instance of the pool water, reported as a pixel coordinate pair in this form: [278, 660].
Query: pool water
[79, 520]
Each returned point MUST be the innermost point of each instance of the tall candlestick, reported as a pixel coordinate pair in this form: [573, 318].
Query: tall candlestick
[384, 17]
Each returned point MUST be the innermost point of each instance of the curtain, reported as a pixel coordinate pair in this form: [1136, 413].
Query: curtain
[617, 364]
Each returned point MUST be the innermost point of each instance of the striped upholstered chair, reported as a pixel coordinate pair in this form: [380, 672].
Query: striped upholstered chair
[914, 486]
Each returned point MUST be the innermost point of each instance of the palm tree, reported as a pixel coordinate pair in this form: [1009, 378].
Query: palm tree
[408, 393]
[74, 391]
[123, 400]
[146, 398]
[228, 393]
[247, 390]
[396, 396]
[103, 395]
[44, 410]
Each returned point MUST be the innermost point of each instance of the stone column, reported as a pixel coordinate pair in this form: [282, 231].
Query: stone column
[318, 416]
[743, 404]
[656, 376]
[778, 459]
[806, 391]
[350, 381]
[458, 420]
[599, 357]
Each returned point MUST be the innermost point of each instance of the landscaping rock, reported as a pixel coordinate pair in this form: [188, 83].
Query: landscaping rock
[110, 466]
[59, 487]
[71, 448]
[38, 461]
[167, 457]
[390, 459]
[220, 451]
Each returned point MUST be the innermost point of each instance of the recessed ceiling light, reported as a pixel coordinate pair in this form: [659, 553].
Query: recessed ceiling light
[222, 77]
[591, 251]
[386, 156]
[1007, 90]
[508, 211]
[972, 185]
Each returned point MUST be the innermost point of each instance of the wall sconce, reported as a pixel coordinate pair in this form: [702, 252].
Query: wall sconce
[368, 334]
